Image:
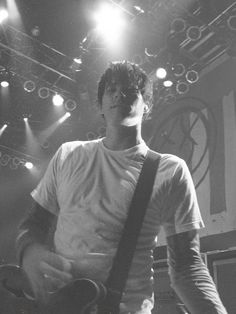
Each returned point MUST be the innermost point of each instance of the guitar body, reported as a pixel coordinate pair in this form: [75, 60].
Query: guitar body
[81, 296]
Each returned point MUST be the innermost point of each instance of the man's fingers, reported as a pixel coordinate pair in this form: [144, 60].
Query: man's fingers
[55, 273]
[57, 261]
[52, 284]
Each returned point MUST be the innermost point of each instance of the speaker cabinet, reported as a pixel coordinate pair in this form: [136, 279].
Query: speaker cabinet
[222, 266]
[166, 300]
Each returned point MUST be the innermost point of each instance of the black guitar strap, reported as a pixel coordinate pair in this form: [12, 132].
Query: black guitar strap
[119, 273]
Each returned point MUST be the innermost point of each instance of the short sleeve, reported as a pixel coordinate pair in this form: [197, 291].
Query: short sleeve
[180, 210]
[46, 192]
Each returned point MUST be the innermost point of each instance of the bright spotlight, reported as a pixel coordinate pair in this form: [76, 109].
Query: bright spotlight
[57, 100]
[109, 22]
[28, 165]
[66, 116]
[167, 83]
[3, 15]
[25, 119]
[161, 73]
[3, 128]
[4, 84]
[78, 60]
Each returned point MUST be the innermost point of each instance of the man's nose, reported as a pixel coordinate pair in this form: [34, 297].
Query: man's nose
[116, 95]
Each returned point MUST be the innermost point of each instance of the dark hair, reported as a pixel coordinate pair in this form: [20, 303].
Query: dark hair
[132, 78]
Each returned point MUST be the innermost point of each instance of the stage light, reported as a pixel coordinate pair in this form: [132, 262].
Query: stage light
[109, 22]
[5, 159]
[3, 128]
[182, 87]
[4, 84]
[26, 119]
[43, 92]
[66, 116]
[35, 31]
[78, 60]
[57, 100]
[178, 25]
[29, 86]
[194, 33]
[28, 165]
[168, 83]
[178, 69]
[231, 22]
[192, 76]
[70, 105]
[76, 65]
[16, 162]
[3, 15]
[161, 73]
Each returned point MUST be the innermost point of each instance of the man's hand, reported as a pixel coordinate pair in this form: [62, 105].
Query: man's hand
[45, 270]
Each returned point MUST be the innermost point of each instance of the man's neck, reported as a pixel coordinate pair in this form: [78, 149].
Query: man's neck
[122, 138]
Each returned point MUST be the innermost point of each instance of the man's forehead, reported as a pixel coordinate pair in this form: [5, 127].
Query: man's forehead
[114, 81]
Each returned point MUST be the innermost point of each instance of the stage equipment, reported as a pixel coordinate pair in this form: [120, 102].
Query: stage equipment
[182, 87]
[29, 86]
[192, 76]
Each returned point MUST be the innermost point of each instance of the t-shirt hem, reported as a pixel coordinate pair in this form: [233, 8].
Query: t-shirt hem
[41, 203]
[185, 228]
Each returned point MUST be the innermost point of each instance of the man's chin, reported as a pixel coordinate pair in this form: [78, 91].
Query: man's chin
[130, 121]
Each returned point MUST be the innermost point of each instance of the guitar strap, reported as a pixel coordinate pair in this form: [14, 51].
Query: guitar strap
[116, 281]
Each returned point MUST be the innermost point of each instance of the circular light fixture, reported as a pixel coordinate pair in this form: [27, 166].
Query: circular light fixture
[28, 165]
[231, 22]
[4, 84]
[57, 100]
[178, 69]
[70, 105]
[182, 87]
[43, 92]
[194, 33]
[29, 86]
[161, 73]
[192, 76]
[168, 83]
[178, 25]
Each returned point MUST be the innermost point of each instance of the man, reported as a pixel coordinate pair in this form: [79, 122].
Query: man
[88, 187]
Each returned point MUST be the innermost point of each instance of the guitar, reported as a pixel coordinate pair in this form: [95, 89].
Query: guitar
[81, 296]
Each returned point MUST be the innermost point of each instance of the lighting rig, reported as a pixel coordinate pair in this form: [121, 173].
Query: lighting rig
[191, 45]
[37, 65]
[175, 54]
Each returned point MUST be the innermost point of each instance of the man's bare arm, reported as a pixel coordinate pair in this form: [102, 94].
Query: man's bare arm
[189, 275]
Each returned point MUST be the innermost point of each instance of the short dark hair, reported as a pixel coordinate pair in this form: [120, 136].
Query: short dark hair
[131, 76]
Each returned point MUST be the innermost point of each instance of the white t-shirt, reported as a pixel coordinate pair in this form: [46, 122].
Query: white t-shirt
[90, 187]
